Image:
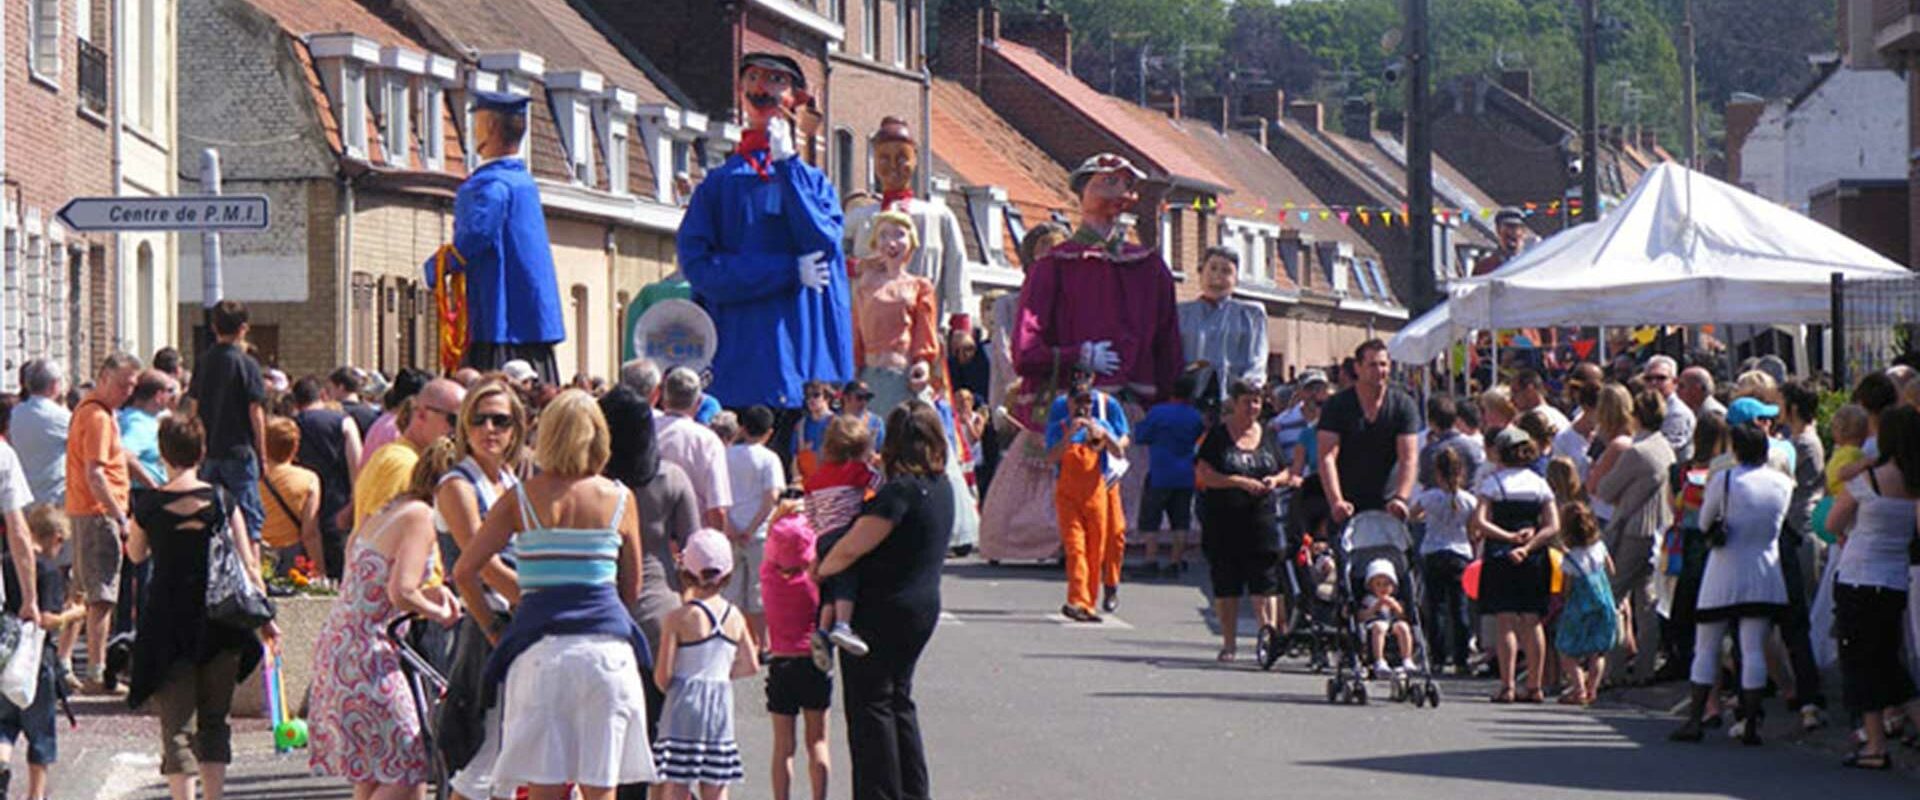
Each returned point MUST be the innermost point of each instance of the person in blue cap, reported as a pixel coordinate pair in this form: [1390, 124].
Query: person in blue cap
[500, 232]
[761, 248]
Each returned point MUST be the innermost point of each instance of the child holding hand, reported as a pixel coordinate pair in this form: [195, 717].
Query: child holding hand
[795, 686]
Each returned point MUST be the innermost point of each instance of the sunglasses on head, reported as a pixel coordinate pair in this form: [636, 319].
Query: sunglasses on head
[502, 422]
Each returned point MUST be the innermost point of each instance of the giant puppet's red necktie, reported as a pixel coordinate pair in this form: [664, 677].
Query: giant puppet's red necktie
[757, 150]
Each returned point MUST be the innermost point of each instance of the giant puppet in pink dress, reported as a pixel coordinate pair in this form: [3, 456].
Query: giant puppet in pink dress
[1095, 300]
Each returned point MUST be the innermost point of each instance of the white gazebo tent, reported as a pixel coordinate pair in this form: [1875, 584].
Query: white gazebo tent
[1682, 249]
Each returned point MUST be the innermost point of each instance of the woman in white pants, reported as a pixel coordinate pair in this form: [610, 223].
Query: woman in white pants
[1743, 585]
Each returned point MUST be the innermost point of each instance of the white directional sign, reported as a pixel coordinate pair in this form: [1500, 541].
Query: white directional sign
[228, 212]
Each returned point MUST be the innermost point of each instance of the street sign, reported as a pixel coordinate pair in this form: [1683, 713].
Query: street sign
[228, 212]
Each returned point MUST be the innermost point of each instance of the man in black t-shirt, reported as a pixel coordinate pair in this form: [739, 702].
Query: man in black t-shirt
[228, 395]
[1369, 437]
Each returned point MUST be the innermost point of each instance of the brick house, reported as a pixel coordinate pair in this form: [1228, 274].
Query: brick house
[1029, 82]
[1324, 285]
[62, 296]
[352, 116]
[864, 61]
[1520, 152]
[1366, 167]
[1896, 35]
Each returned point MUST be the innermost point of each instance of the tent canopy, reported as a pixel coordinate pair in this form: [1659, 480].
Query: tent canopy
[1682, 249]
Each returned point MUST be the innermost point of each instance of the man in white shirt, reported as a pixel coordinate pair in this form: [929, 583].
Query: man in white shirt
[694, 447]
[1530, 394]
[14, 499]
[1678, 426]
[1696, 390]
[757, 477]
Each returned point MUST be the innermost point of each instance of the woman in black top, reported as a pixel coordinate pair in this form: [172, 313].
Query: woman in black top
[330, 446]
[1239, 466]
[897, 544]
[187, 663]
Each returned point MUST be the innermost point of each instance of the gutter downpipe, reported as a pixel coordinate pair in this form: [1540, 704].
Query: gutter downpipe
[116, 21]
[345, 280]
[926, 106]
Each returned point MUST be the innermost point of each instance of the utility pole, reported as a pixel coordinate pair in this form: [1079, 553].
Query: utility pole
[1689, 73]
[1144, 47]
[1589, 108]
[212, 288]
[1420, 156]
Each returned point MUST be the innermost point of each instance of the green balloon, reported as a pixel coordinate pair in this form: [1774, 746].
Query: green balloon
[290, 734]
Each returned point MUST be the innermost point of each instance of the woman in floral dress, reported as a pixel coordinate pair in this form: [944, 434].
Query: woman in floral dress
[364, 725]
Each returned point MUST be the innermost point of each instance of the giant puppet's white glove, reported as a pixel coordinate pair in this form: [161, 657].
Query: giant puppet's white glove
[815, 270]
[780, 139]
[1099, 357]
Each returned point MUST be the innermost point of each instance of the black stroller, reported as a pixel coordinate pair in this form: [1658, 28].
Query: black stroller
[1369, 536]
[428, 688]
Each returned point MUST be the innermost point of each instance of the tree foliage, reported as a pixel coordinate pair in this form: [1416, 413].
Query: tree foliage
[1333, 49]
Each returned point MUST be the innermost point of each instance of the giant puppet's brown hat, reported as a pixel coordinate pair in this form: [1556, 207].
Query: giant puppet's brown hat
[893, 129]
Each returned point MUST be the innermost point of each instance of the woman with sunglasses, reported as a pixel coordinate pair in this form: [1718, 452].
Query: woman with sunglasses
[489, 437]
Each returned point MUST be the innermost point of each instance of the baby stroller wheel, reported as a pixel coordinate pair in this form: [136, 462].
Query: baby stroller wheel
[1266, 647]
[1333, 690]
[1433, 695]
[1396, 691]
[1360, 694]
[1417, 695]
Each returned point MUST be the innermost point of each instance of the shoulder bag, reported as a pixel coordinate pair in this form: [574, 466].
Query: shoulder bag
[231, 598]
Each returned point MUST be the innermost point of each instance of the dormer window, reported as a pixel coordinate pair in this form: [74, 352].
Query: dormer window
[665, 129]
[400, 68]
[613, 118]
[343, 59]
[430, 113]
[987, 205]
[573, 95]
[513, 72]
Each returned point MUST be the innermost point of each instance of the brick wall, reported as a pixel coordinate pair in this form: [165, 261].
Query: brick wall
[862, 95]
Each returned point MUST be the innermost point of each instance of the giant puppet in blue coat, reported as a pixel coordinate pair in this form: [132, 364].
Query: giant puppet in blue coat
[500, 242]
[761, 247]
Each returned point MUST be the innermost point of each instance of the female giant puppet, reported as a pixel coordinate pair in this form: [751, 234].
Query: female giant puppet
[760, 247]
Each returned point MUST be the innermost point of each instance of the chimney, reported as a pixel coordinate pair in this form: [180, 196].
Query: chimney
[1356, 116]
[1255, 127]
[1853, 22]
[1309, 114]
[965, 25]
[1518, 81]
[1742, 116]
[1393, 122]
[1268, 105]
[1045, 30]
[1211, 109]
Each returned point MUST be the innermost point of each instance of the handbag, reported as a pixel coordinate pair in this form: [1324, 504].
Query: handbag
[1717, 532]
[231, 597]
[20, 679]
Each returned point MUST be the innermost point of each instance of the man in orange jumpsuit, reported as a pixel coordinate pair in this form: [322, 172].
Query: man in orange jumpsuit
[1086, 437]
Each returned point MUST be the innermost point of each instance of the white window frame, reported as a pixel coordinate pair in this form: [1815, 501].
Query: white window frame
[900, 33]
[844, 145]
[83, 20]
[613, 119]
[870, 29]
[43, 41]
[433, 131]
[837, 11]
[11, 345]
[396, 117]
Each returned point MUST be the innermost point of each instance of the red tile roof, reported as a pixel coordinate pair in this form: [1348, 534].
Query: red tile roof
[1165, 152]
[303, 17]
[981, 149]
[551, 29]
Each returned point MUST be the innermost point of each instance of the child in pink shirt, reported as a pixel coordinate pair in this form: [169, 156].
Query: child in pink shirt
[834, 493]
[795, 687]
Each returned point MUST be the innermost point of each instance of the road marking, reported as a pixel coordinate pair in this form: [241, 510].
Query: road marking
[949, 618]
[1109, 622]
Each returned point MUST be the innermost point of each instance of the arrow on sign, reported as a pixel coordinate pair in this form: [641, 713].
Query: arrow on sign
[230, 212]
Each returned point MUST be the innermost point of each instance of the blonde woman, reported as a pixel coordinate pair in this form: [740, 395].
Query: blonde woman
[568, 665]
[1612, 437]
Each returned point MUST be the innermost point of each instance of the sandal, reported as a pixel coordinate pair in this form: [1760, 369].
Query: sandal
[1502, 697]
[1226, 655]
[1572, 699]
[1859, 760]
[1531, 696]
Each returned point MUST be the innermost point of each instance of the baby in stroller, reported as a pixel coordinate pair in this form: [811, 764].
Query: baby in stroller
[1383, 615]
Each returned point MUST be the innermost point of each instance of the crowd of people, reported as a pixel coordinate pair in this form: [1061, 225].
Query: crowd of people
[589, 566]
[1634, 527]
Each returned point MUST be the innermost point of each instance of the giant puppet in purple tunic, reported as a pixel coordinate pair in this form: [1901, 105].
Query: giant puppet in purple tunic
[1100, 301]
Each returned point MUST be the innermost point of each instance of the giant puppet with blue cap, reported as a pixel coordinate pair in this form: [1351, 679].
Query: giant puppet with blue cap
[499, 301]
[760, 246]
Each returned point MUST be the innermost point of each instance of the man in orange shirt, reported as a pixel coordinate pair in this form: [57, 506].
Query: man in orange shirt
[97, 503]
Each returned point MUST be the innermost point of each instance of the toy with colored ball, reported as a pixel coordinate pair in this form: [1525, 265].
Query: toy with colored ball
[290, 734]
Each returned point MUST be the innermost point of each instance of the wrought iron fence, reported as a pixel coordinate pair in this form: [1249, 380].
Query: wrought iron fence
[1875, 322]
[93, 77]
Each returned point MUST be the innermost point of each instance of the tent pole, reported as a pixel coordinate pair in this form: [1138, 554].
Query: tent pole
[1603, 347]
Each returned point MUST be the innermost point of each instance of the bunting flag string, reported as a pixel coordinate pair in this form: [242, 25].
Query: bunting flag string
[1367, 215]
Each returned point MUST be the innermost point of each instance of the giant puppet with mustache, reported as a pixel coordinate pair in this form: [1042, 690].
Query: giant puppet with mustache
[761, 249]
[1100, 301]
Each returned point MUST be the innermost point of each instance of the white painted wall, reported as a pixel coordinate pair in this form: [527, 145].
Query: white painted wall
[1853, 127]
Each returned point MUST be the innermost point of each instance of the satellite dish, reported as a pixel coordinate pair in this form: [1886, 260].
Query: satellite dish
[1390, 41]
[676, 333]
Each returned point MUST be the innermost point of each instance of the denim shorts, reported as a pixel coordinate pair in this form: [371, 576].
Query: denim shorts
[37, 720]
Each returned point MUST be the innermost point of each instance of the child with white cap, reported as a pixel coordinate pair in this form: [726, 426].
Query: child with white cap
[703, 647]
[1382, 613]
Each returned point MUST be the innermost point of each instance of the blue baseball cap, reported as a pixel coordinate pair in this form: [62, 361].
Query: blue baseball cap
[1747, 409]
[501, 102]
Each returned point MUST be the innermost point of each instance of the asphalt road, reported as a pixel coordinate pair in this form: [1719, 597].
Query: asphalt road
[1016, 703]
